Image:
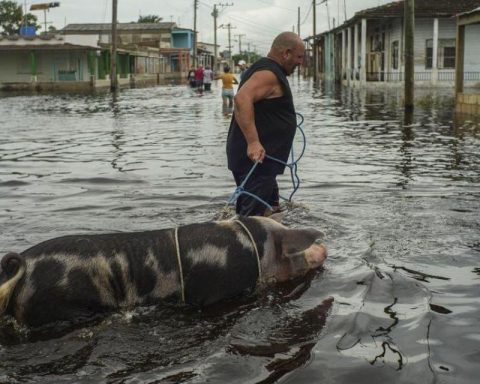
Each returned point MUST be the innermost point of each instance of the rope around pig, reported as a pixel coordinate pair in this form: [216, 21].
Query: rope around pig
[179, 258]
[293, 166]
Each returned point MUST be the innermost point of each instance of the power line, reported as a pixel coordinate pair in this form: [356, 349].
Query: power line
[308, 13]
[252, 24]
[277, 6]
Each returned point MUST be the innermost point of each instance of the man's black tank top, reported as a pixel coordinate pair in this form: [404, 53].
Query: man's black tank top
[276, 123]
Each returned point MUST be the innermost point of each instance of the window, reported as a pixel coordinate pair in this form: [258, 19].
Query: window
[448, 57]
[429, 54]
[445, 56]
[395, 55]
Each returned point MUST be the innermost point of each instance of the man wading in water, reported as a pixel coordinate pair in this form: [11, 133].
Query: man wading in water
[264, 122]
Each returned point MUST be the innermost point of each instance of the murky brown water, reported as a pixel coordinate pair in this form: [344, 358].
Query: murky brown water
[397, 301]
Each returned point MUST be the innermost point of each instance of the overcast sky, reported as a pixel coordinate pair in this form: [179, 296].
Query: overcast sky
[258, 21]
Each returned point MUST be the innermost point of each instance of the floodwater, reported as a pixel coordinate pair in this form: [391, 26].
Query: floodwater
[398, 198]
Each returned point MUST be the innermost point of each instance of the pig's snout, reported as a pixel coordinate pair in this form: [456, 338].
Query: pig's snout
[316, 254]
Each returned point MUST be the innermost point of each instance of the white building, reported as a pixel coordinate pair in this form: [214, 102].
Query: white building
[369, 47]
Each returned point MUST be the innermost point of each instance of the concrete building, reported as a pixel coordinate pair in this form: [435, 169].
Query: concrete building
[369, 47]
[46, 63]
[79, 57]
[466, 102]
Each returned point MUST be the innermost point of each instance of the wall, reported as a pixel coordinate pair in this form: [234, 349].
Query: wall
[181, 40]
[472, 48]
[423, 32]
[9, 68]
[469, 104]
[89, 40]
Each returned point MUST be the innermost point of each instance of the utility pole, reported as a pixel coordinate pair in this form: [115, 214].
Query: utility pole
[195, 6]
[113, 58]
[24, 21]
[215, 14]
[409, 28]
[229, 27]
[298, 22]
[215, 49]
[240, 42]
[314, 46]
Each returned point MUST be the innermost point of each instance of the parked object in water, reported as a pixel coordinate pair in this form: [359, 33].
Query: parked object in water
[74, 278]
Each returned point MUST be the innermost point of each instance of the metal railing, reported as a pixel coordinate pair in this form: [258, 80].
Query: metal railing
[421, 76]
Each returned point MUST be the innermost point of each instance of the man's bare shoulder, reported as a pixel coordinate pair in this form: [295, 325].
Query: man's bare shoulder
[263, 84]
[264, 76]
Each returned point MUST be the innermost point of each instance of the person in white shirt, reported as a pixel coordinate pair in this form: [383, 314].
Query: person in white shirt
[207, 78]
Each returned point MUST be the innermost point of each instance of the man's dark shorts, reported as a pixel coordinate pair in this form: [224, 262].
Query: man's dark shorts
[263, 186]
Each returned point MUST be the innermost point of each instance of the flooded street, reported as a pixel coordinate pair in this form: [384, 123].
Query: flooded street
[399, 201]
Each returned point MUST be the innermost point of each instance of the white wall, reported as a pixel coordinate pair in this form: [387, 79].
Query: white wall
[472, 48]
[89, 40]
[423, 32]
[10, 67]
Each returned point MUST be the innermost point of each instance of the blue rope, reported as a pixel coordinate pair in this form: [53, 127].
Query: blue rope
[293, 166]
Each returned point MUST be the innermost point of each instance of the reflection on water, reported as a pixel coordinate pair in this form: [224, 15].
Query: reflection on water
[397, 195]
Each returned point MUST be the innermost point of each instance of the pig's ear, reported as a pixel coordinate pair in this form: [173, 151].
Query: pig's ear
[278, 217]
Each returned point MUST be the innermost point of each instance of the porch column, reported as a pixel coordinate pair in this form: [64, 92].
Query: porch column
[435, 52]
[349, 55]
[326, 57]
[331, 56]
[355, 53]
[459, 59]
[363, 53]
[344, 33]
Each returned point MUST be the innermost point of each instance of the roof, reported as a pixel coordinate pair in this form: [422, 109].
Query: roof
[41, 42]
[469, 18]
[423, 8]
[107, 27]
[43, 47]
[476, 10]
[43, 37]
[180, 30]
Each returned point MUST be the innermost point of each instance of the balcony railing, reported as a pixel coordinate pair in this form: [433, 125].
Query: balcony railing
[421, 76]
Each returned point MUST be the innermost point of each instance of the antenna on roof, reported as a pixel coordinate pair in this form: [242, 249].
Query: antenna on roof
[44, 7]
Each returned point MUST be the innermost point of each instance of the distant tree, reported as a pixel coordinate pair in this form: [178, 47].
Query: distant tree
[11, 18]
[149, 19]
[52, 29]
[248, 57]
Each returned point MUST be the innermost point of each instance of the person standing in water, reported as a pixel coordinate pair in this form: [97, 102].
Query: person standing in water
[228, 79]
[207, 78]
[264, 122]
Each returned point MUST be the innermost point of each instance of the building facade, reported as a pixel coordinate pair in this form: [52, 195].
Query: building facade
[369, 47]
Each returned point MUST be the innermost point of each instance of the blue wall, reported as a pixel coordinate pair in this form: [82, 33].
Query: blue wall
[182, 39]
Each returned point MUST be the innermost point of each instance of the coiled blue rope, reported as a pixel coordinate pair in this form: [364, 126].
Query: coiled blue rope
[293, 166]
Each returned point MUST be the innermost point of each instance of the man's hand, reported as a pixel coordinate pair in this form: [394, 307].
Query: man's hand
[255, 151]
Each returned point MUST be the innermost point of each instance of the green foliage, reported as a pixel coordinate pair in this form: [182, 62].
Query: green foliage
[248, 57]
[11, 18]
[149, 19]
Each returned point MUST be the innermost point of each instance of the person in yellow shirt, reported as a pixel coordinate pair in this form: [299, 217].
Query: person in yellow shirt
[228, 79]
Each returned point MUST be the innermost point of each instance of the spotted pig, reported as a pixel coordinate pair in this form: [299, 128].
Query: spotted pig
[73, 278]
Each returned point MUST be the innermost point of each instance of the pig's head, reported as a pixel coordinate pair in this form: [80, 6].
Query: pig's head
[290, 253]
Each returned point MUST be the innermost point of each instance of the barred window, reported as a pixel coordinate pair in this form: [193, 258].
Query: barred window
[395, 55]
[449, 57]
[429, 54]
[445, 55]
